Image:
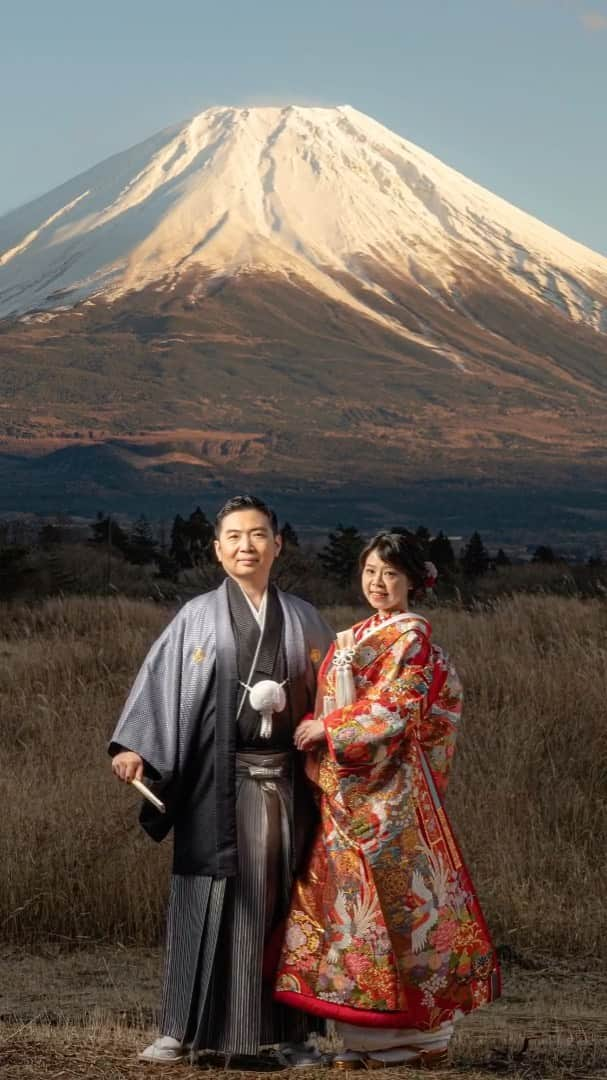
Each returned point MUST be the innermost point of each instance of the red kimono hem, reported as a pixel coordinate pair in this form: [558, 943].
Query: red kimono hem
[329, 1010]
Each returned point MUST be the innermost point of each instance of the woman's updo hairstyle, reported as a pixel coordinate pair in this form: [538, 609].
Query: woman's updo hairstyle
[404, 552]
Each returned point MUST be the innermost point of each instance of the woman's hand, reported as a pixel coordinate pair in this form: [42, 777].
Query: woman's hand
[309, 733]
[127, 765]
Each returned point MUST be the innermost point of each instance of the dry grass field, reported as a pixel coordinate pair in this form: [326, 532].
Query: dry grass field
[80, 887]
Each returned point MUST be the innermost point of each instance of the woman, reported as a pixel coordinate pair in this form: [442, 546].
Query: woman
[385, 935]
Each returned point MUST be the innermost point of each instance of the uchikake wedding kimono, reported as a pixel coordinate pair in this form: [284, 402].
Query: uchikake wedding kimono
[385, 930]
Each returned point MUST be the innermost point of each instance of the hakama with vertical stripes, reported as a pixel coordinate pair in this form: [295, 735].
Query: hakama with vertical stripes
[227, 1006]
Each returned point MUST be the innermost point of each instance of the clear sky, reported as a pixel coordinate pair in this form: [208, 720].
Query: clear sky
[511, 92]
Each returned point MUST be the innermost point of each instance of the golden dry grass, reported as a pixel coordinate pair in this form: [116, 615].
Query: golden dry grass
[528, 796]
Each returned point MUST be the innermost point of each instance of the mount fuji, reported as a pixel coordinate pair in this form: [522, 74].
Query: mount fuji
[301, 300]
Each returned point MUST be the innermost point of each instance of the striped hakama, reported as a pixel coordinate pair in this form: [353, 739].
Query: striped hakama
[214, 995]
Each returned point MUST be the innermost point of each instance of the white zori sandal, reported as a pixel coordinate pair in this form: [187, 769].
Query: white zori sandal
[164, 1049]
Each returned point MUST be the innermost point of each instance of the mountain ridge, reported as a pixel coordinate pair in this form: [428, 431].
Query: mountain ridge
[305, 190]
[305, 324]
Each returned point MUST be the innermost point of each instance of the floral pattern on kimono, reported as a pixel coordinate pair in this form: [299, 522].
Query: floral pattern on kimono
[384, 927]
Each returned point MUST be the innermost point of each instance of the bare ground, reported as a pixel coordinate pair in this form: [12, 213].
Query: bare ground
[86, 1013]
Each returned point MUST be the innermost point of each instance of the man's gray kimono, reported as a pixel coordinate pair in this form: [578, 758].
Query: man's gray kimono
[181, 717]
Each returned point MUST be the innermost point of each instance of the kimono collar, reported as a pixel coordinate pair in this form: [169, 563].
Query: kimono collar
[378, 623]
[259, 614]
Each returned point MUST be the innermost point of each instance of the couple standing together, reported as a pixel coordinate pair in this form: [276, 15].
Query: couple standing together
[315, 873]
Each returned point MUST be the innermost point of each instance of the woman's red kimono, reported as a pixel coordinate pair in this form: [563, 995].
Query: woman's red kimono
[387, 931]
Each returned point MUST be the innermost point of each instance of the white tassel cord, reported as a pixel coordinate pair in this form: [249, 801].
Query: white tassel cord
[345, 689]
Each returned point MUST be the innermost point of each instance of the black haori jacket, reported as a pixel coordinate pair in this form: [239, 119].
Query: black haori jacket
[180, 717]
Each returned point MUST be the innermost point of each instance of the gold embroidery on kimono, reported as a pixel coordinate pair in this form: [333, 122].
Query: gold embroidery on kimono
[385, 928]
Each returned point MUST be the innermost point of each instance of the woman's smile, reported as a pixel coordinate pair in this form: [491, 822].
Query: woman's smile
[385, 587]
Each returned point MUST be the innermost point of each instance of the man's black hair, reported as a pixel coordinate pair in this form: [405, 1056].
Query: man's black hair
[246, 502]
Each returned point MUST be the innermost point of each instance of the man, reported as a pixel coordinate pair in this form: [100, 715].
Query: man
[233, 789]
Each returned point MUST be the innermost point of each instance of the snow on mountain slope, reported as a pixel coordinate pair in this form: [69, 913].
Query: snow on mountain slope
[324, 196]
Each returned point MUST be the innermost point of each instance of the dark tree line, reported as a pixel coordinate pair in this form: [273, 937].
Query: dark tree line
[191, 545]
[190, 542]
[183, 554]
[339, 557]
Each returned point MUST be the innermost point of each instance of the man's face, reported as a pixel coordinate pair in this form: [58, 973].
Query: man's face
[246, 547]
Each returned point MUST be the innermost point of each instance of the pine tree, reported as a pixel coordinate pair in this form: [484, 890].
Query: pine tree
[14, 570]
[440, 552]
[339, 557]
[178, 550]
[543, 554]
[475, 557]
[289, 536]
[501, 559]
[104, 526]
[141, 549]
[423, 534]
[199, 537]
[49, 534]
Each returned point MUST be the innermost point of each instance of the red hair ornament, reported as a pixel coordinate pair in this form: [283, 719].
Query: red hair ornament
[431, 575]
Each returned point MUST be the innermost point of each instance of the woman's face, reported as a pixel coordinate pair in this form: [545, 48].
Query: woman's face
[385, 587]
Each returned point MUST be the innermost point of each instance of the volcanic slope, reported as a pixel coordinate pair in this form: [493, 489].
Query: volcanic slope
[296, 295]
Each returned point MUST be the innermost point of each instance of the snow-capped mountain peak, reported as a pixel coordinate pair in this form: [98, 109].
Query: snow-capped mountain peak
[326, 196]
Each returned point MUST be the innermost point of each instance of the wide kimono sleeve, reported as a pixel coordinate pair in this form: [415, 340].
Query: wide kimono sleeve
[389, 703]
[149, 723]
[439, 723]
[308, 638]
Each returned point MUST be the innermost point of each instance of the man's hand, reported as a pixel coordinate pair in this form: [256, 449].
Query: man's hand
[309, 733]
[127, 765]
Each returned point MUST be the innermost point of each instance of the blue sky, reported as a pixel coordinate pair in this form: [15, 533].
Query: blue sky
[511, 92]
